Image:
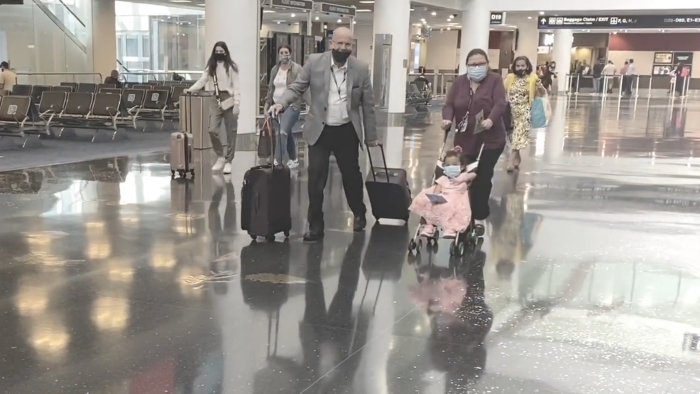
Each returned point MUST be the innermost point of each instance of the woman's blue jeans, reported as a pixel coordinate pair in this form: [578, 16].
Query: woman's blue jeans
[287, 148]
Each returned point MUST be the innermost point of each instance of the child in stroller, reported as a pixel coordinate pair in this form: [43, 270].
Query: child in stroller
[446, 204]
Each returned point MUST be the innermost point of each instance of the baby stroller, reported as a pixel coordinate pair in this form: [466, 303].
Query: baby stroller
[467, 239]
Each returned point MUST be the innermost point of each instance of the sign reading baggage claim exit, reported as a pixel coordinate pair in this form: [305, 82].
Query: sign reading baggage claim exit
[619, 22]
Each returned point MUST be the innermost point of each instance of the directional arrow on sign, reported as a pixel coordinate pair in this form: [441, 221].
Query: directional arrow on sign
[544, 20]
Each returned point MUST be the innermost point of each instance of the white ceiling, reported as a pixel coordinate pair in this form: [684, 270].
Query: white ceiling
[434, 17]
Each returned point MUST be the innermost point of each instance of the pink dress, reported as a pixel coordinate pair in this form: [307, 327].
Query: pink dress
[456, 213]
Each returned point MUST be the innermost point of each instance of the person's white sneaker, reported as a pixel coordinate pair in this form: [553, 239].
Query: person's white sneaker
[227, 168]
[293, 163]
[219, 165]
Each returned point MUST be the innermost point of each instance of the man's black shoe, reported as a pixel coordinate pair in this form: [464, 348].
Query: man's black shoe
[312, 236]
[360, 223]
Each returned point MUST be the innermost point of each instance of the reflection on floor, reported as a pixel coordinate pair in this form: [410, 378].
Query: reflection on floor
[116, 281]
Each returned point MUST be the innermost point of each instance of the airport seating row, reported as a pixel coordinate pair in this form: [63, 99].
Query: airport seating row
[140, 101]
[56, 109]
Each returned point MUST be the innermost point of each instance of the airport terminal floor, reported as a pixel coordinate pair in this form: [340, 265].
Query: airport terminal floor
[115, 280]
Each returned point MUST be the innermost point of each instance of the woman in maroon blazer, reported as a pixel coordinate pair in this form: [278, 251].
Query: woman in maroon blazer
[471, 93]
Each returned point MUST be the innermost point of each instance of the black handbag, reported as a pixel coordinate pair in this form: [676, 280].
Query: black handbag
[508, 119]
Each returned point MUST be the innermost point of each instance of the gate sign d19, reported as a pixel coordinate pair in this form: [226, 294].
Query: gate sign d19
[619, 22]
[497, 18]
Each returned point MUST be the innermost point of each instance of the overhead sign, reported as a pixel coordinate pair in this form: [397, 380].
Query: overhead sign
[296, 4]
[619, 22]
[497, 18]
[336, 9]
[683, 57]
[16, 2]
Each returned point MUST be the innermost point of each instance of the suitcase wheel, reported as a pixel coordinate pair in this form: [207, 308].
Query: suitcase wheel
[172, 174]
[270, 238]
[286, 234]
[252, 236]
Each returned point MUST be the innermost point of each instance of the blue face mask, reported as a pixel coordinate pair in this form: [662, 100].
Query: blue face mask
[452, 171]
[477, 73]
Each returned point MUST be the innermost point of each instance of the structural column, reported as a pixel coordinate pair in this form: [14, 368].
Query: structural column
[528, 39]
[237, 23]
[476, 20]
[394, 17]
[104, 37]
[561, 54]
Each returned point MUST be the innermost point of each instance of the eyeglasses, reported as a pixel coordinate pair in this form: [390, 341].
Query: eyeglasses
[476, 64]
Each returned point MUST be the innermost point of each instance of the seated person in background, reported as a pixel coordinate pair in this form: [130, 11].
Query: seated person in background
[423, 84]
[113, 79]
[453, 215]
[8, 78]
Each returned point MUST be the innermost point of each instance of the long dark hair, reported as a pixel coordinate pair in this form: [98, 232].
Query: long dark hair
[528, 64]
[228, 62]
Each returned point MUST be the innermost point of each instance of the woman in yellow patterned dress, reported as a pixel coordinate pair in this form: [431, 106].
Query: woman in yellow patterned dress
[522, 84]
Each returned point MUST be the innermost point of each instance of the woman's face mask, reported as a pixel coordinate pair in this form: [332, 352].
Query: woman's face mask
[452, 171]
[284, 58]
[477, 73]
[219, 56]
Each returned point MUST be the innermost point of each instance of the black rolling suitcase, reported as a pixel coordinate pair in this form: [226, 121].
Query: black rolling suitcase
[388, 191]
[266, 198]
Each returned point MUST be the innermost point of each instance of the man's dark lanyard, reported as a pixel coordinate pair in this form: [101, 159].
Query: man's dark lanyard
[345, 76]
[462, 126]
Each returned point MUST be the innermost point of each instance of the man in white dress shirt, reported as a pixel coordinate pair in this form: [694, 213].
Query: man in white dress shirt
[630, 77]
[340, 109]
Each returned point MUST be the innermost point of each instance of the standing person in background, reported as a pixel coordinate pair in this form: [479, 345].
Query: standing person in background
[341, 88]
[282, 75]
[479, 91]
[221, 78]
[623, 73]
[8, 78]
[608, 71]
[631, 75]
[522, 85]
[597, 74]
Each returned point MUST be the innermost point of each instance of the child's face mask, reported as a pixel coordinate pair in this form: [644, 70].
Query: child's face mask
[452, 171]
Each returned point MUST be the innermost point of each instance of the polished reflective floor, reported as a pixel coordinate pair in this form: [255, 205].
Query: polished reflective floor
[115, 280]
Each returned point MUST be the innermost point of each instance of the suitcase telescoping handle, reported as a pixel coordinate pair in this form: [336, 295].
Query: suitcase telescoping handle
[271, 130]
[371, 165]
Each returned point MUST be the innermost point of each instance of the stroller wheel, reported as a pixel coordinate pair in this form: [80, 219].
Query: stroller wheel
[453, 248]
[412, 245]
[461, 247]
[419, 245]
[479, 230]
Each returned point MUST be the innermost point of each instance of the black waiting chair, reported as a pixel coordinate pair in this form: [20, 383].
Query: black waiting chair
[155, 103]
[22, 90]
[52, 104]
[63, 88]
[14, 113]
[86, 88]
[142, 86]
[72, 85]
[131, 103]
[110, 90]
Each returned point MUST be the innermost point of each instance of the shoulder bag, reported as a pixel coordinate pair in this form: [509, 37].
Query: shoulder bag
[223, 99]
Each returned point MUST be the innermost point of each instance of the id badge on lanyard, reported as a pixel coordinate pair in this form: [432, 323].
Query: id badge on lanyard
[462, 126]
[343, 108]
